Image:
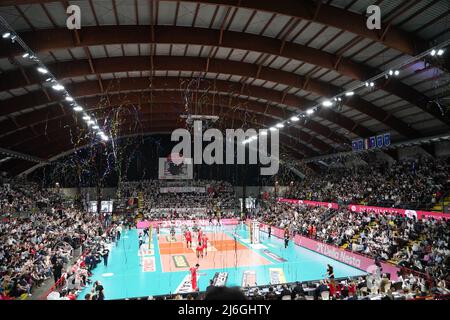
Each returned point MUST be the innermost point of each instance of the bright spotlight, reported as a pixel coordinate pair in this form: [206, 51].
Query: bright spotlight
[327, 103]
[310, 111]
[6, 35]
[295, 118]
[280, 125]
[69, 98]
[58, 87]
[42, 70]
[78, 108]
[440, 52]
[349, 93]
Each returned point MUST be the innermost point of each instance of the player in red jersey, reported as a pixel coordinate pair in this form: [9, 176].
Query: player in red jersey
[193, 271]
[199, 249]
[205, 244]
[188, 237]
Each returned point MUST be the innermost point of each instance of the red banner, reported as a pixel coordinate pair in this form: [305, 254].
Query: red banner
[404, 212]
[179, 223]
[379, 210]
[348, 257]
[310, 203]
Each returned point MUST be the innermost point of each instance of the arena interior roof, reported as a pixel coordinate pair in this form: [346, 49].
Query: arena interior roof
[266, 59]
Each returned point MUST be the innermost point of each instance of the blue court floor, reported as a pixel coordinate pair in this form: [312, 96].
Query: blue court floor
[126, 277]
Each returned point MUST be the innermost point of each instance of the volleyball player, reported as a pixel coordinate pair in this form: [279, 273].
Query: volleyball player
[188, 237]
[199, 249]
[205, 244]
[193, 271]
[172, 232]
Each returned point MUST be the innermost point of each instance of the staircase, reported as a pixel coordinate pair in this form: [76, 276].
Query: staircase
[357, 235]
[442, 204]
[409, 245]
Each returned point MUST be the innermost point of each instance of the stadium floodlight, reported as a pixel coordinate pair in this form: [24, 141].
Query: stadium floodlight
[25, 55]
[349, 93]
[295, 118]
[6, 35]
[280, 125]
[78, 108]
[273, 129]
[42, 70]
[69, 98]
[327, 103]
[86, 117]
[310, 111]
[440, 52]
[58, 87]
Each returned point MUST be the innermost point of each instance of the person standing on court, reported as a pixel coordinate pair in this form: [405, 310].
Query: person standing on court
[286, 238]
[118, 232]
[140, 241]
[188, 237]
[330, 271]
[193, 271]
[105, 255]
[269, 230]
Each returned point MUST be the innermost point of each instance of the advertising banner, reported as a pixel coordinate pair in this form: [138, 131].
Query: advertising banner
[179, 223]
[350, 258]
[404, 212]
[182, 189]
[310, 203]
[353, 259]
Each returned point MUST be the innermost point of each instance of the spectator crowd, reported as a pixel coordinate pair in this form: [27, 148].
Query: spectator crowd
[412, 184]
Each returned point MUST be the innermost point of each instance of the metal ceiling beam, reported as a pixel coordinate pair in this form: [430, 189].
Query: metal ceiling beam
[22, 156]
[52, 39]
[420, 142]
[86, 89]
[161, 101]
[61, 144]
[306, 10]
[193, 64]
[26, 168]
[156, 115]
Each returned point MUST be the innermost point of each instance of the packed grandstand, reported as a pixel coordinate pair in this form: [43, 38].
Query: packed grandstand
[224, 150]
[46, 240]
